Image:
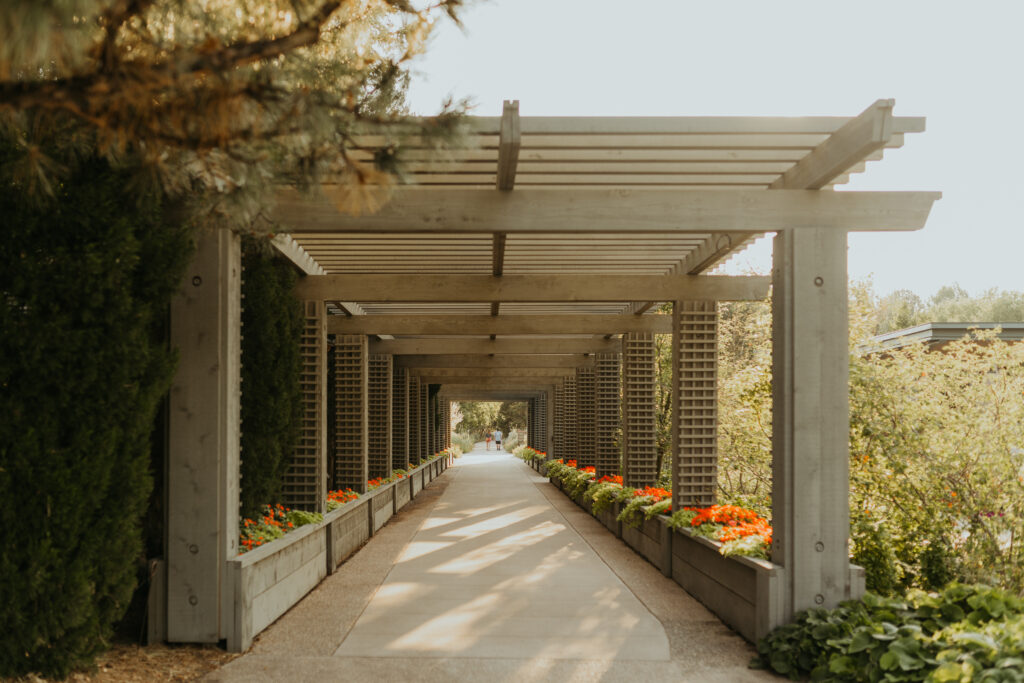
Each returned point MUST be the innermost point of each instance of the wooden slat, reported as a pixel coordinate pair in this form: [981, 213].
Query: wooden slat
[486, 346]
[471, 324]
[508, 147]
[552, 288]
[619, 211]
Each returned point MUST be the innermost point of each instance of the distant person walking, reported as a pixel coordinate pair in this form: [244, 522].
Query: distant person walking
[487, 441]
[497, 438]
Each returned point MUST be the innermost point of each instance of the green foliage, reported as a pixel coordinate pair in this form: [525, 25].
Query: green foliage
[632, 513]
[602, 495]
[951, 304]
[964, 633]
[465, 442]
[85, 281]
[271, 411]
[873, 550]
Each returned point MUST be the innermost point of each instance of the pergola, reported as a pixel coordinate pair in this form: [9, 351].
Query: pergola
[530, 265]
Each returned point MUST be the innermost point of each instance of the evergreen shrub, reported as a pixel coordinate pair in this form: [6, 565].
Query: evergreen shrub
[272, 321]
[85, 281]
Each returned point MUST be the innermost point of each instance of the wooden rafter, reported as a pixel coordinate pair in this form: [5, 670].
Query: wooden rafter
[516, 325]
[486, 346]
[531, 288]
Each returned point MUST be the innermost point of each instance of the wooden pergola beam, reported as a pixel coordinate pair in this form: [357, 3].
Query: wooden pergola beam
[531, 288]
[483, 325]
[507, 361]
[495, 382]
[589, 210]
[442, 375]
[488, 346]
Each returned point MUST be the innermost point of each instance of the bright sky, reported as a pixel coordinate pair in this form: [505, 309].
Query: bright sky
[957, 63]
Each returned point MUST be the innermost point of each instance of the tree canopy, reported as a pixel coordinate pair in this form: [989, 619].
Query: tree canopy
[213, 99]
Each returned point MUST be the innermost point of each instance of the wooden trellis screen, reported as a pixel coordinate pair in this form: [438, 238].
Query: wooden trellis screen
[424, 444]
[303, 485]
[399, 418]
[542, 422]
[694, 395]
[639, 428]
[586, 438]
[379, 416]
[607, 414]
[413, 426]
[558, 424]
[350, 414]
[569, 417]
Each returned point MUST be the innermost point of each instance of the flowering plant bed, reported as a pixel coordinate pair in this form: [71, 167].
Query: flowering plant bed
[745, 592]
[269, 579]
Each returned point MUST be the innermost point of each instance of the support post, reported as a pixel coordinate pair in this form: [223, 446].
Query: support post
[587, 423]
[351, 438]
[414, 419]
[203, 456]
[608, 452]
[695, 399]
[639, 419]
[379, 416]
[558, 421]
[304, 485]
[400, 418]
[571, 421]
[810, 419]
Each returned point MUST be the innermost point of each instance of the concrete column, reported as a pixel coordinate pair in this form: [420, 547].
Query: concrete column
[558, 421]
[400, 418]
[695, 402]
[351, 426]
[608, 452]
[379, 416]
[203, 455]
[639, 412]
[810, 419]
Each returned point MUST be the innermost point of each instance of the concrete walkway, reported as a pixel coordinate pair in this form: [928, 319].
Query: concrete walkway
[492, 574]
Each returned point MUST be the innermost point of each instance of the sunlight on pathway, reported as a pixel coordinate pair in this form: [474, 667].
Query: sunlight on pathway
[495, 571]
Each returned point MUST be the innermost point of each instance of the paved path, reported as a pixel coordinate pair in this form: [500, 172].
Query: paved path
[492, 574]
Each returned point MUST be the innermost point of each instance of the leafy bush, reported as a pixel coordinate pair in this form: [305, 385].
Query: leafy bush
[511, 441]
[272, 321]
[964, 633]
[465, 442]
[85, 282]
[273, 522]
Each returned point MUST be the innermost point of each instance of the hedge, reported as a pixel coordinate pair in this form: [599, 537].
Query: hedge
[85, 278]
[272, 321]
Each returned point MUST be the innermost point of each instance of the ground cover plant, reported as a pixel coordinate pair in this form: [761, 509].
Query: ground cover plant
[962, 633]
[274, 522]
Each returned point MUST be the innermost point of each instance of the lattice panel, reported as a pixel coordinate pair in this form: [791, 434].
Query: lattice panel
[413, 426]
[607, 414]
[446, 423]
[586, 434]
[424, 445]
[570, 417]
[695, 396]
[399, 418]
[542, 423]
[379, 380]
[351, 435]
[304, 485]
[558, 428]
[639, 420]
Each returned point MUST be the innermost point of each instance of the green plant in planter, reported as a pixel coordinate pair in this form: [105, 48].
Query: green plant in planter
[603, 494]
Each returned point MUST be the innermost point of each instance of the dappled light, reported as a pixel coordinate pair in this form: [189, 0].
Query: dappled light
[509, 578]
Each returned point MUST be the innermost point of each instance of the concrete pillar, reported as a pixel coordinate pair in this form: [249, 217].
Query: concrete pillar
[379, 416]
[608, 452]
[203, 455]
[639, 412]
[695, 402]
[399, 418]
[810, 419]
[351, 427]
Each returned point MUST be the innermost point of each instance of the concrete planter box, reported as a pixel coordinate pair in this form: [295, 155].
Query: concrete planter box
[417, 480]
[382, 502]
[608, 517]
[744, 592]
[348, 528]
[267, 581]
[653, 540]
[402, 493]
